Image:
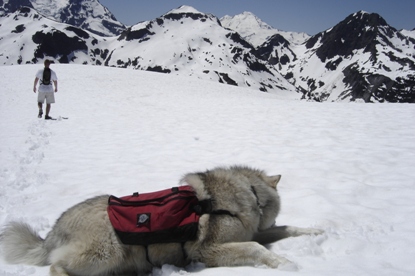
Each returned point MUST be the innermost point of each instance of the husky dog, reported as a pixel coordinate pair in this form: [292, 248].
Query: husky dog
[244, 203]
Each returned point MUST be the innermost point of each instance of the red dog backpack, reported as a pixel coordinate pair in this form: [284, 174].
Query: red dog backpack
[165, 216]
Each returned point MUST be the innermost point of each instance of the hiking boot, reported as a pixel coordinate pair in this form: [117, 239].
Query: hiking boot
[40, 113]
[48, 117]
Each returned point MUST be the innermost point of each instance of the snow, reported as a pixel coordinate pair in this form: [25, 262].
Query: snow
[58, 3]
[90, 16]
[184, 9]
[347, 167]
[256, 32]
[199, 48]
[48, 7]
[408, 33]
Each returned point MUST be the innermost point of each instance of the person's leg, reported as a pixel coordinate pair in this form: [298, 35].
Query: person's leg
[40, 105]
[47, 110]
[50, 99]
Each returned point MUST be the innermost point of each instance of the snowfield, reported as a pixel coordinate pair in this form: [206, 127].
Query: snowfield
[347, 168]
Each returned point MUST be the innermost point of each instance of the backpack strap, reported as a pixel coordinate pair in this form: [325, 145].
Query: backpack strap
[205, 207]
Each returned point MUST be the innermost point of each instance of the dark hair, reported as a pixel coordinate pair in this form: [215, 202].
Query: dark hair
[47, 62]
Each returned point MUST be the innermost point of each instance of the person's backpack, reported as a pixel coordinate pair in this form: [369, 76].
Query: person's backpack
[46, 76]
[165, 216]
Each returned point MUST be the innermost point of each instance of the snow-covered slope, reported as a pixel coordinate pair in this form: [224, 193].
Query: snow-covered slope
[346, 168]
[89, 15]
[188, 42]
[10, 6]
[30, 38]
[254, 30]
[409, 33]
[362, 57]
[184, 41]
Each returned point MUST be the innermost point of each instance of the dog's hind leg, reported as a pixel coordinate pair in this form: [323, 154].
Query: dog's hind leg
[276, 233]
[241, 254]
[96, 257]
[56, 270]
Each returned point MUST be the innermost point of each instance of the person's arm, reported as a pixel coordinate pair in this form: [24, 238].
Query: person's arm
[56, 85]
[35, 84]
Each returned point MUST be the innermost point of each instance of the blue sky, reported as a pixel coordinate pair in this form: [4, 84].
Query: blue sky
[310, 16]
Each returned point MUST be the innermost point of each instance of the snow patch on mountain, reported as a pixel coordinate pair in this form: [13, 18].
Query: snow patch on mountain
[184, 9]
[50, 7]
[408, 33]
[86, 14]
[256, 31]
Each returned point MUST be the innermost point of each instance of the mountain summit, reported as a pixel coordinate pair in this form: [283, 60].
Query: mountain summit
[341, 40]
[254, 30]
[184, 9]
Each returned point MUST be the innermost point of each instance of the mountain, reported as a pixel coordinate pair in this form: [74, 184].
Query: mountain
[362, 57]
[28, 37]
[278, 51]
[184, 41]
[9, 6]
[187, 42]
[89, 15]
[255, 31]
[408, 33]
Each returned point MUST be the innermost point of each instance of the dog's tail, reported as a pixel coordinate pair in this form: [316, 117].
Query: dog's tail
[22, 245]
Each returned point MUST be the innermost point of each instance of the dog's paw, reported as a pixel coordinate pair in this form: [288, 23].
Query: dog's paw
[289, 266]
[297, 231]
[314, 231]
[282, 263]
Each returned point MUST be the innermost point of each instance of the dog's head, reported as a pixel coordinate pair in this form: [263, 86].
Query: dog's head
[239, 190]
[270, 199]
[265, 190]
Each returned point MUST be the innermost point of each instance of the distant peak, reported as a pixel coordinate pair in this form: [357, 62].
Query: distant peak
[247, 19]
[247, 13]
[370, 19]
[244, 15]
[360, 13]
[184, 9]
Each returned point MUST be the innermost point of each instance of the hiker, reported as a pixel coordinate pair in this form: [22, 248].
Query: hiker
[46, 77]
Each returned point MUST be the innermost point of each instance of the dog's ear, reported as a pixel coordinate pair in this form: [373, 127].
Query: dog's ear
[196, 180]
[273, 180]
[192, 179]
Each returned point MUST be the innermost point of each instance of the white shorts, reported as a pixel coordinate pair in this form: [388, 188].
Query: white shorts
[48, 96]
